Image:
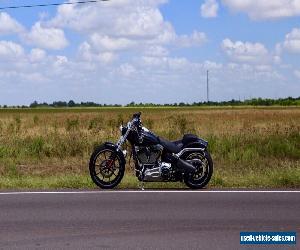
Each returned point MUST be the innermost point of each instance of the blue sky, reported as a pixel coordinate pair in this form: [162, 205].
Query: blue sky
[149, 51]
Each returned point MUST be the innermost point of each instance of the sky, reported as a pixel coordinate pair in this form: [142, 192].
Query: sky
[157, 51]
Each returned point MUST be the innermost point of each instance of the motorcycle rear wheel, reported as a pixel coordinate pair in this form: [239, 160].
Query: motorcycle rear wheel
[204, 165]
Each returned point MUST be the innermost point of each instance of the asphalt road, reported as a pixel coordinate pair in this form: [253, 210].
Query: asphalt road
[143, 220]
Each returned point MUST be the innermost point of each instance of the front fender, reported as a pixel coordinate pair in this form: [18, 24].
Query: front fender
[110, 145]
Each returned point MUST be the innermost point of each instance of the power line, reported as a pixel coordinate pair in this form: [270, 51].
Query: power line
[50, 4]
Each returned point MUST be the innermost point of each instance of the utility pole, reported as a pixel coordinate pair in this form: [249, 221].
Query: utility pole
[207, 86]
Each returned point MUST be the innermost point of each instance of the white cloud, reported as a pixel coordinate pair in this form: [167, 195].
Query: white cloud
[8, 25]
[290, 44]
[212, 65]
[149, 46]
[209, 9]
[166, 36]
[122, 17]
[106, 43]
[60, 61]
[10, 50]
[292, 41]
[195, 39]
[117, 29]
[277, 59]
[106, 57]
[37, 55]
[45, 37]
[156, 50]
[123, 24]
[297, 73]
[127, 69]
[262, 9]
[164, 79]
[143, 22]
[112, 29]
[87, 54]
[245, 52]
[169, 65]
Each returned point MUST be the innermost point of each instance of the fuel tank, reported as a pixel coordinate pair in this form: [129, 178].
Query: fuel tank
[149, 138]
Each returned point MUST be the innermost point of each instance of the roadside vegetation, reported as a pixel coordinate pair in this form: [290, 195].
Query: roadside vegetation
[289, 101]
[50, 148]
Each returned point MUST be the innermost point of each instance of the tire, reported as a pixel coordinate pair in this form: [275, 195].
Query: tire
[100, 168]
[206, 175]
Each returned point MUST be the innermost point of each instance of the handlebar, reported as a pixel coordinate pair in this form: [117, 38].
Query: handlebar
[135, 123]
[137, 115]
[136, 118]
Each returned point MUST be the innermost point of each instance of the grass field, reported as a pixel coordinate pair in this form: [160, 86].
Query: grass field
[50, 148]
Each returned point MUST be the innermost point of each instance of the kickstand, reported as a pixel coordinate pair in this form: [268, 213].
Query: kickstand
[142, 185]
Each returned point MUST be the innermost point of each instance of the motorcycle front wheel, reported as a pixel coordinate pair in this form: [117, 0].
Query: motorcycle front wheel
[204, 169]
[106, 167]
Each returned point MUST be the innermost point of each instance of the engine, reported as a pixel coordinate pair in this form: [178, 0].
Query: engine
[149, 155]
[153, 168]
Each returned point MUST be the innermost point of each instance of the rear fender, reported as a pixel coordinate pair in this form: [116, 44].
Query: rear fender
[200, 143]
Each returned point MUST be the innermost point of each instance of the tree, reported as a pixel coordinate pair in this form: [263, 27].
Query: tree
[71, 103]
[34, 104]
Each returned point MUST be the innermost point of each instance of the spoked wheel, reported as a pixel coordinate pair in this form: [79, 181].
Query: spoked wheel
[204, 168]
[106, 167]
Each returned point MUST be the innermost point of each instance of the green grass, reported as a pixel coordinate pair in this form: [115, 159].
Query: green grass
[276, 178]
[72, 182]
[270, 178]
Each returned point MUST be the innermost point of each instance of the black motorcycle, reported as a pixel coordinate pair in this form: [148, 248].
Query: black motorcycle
[156, 159]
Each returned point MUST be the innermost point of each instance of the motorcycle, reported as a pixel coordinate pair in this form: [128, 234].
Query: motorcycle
[156, 159]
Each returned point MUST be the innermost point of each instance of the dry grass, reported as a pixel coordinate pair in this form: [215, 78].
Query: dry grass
[250, 147]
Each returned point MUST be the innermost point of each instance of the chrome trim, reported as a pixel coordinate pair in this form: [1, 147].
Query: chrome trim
[152, 174]
[123, 138]
[188, 150]
[145, 129]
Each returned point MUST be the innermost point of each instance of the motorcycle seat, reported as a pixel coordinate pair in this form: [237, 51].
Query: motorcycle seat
[179, 143]
[189, 138]
[170, 146]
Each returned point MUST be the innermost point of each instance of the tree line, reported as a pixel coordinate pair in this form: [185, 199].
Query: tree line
[289, 101]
